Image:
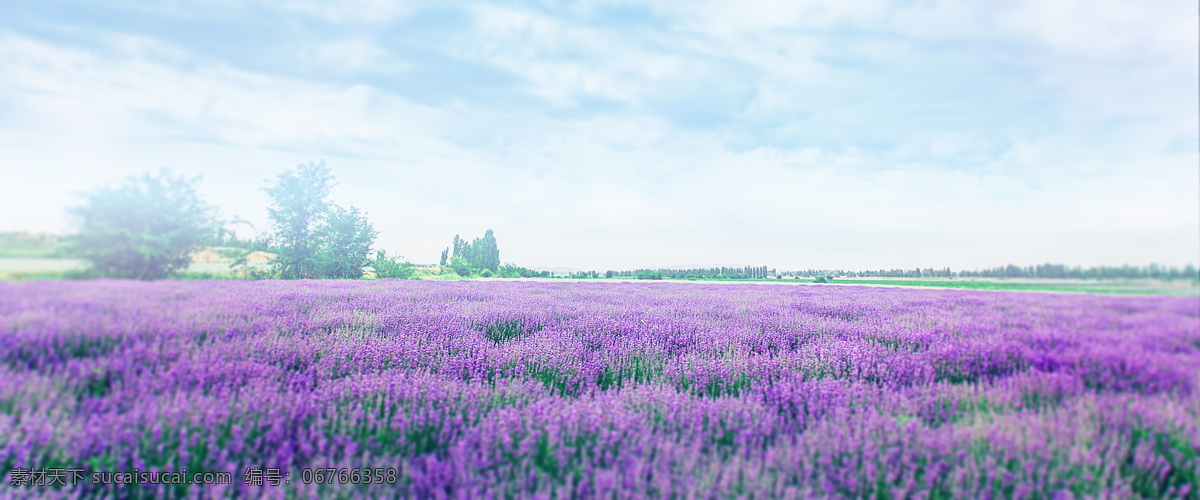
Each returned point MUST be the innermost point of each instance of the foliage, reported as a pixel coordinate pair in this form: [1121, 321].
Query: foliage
[345, 241]
[1152, 271]
[1040, 271]
[482, 253]
[748, 272]
[391, 268]
[460, 266]
[317, 239]
[513, 271]
[144, 228]
[1044, 286]
[487, 254]
[299, 204]
[646, 274]
[228, 239]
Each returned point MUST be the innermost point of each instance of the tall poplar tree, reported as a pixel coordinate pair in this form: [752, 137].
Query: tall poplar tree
[489, 253]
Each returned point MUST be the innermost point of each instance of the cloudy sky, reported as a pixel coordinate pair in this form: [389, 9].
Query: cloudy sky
[608, 134]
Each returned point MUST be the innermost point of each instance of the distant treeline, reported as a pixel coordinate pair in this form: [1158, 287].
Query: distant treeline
[748, 272]
[1152, 271]
[33, 245]
[881, 273]
[1048, 271]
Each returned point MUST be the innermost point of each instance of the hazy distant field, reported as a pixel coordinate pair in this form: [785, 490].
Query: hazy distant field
[1135, 287]
[26, 269]
[20, 268]
[39, 264]
[593, 389]
[1145, 287]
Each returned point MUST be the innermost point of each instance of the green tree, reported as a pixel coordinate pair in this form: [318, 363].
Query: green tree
[647, 274]
[145, 228]
[299, 204]
[345, 241]
[480, 253]
[488, 252]
[460, 247]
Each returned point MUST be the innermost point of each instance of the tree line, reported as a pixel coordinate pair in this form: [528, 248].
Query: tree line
[748, 272]
[1043, 271]
[1152, 271]
[149, 226]
[881, 273]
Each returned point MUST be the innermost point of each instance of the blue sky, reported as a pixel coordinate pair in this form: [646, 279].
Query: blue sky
[852, 134]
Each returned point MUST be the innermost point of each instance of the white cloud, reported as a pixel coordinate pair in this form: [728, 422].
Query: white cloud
[1110, 29]
[349, 11]
[1086, 179]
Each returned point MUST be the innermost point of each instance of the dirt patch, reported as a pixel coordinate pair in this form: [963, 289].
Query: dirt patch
[223, 255]
[259, 258]
[208, 255]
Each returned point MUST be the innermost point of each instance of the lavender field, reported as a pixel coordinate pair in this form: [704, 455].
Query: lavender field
[584, 390]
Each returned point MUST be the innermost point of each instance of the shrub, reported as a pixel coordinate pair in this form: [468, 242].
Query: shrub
[460, 266]
[390, 267]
